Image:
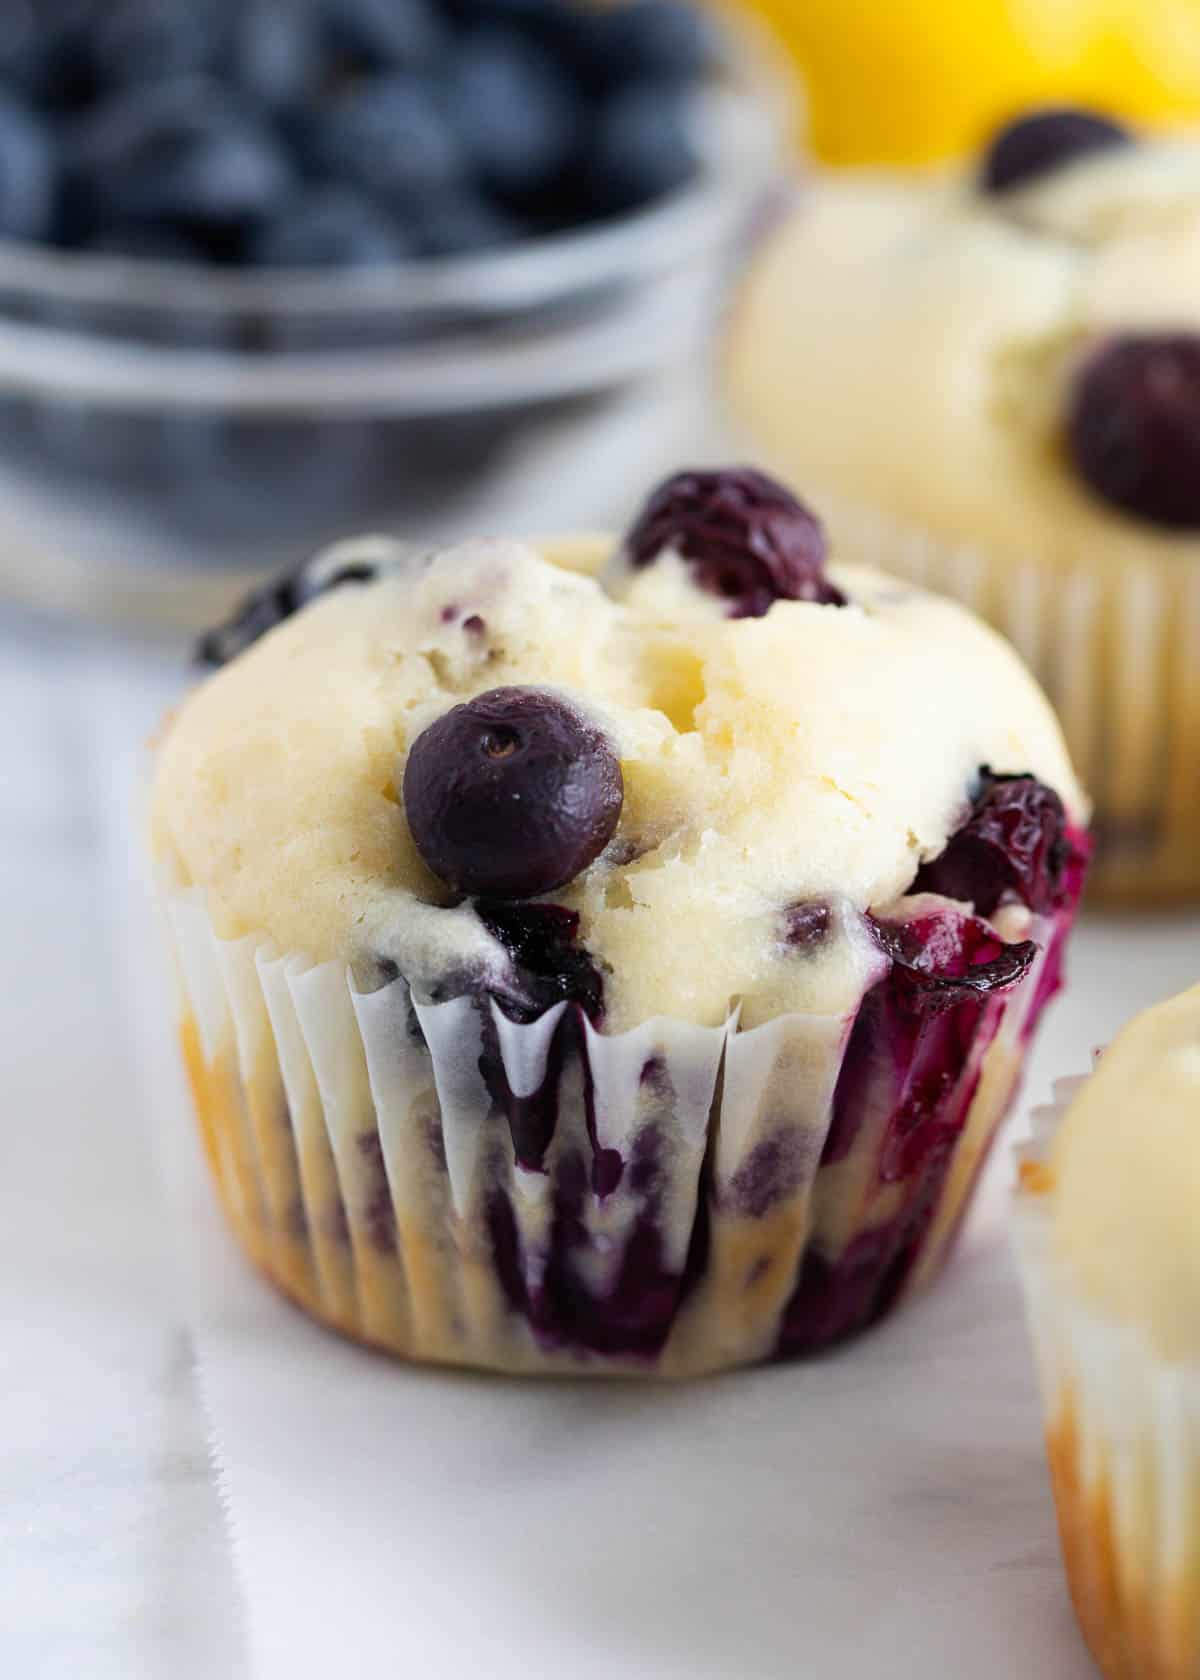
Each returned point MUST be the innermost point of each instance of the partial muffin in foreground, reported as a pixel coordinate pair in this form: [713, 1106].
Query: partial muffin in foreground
[991, 381]
[1108, 1232]
[615, 965]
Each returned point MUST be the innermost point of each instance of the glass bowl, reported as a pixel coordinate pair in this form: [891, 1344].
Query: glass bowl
[169, 433]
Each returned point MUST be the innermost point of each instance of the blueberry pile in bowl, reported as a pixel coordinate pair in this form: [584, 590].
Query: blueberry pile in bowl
[338, 133]
[274, 271]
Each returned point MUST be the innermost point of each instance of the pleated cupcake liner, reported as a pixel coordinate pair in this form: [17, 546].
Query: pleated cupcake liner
[1119, 656]
[448, 1185]
[1123, 1441]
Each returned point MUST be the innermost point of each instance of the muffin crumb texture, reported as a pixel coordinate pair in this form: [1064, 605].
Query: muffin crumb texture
[781, 774]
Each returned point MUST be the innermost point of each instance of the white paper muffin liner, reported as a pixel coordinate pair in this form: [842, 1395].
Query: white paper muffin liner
[687, 1200]
[1123, 1439]
[1118, 652]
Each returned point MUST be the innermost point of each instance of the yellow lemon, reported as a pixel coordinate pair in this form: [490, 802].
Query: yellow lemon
[913, 81]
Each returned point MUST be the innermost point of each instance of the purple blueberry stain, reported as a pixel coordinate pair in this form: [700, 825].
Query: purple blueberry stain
[772, 1172]
[806, 925]
[379, 1212]
[744, 536]
[511, 795]
[475, 626]
[1133, 427]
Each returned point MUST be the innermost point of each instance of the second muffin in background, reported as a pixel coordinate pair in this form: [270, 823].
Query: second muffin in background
[991, 382]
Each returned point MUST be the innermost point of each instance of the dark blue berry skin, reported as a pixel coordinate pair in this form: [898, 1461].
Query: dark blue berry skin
[1133, 429]
[384, 34]
[136, 42]
[642, 149]
[187, 154]
[28, 173]
[328, 227]
[462, 222]
[511, 795]
[515, 111]
[275, 52]
[271, 605]
[1043, 141]
[389, 136]
[746, 539]
[657, 41]
[21, 45]
[147, 244]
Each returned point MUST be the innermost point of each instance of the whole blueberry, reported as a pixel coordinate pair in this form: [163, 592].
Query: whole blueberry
[20, 44]
[745, 537]
[187, 153]
[642, 149]
[276, 53]
[1043, 141]
[511, 795]
[28, 173]
[384, 34]
[659, 41]
[146, 41]
[276, 601]
[515, 111]
[328, 227]
[1133, 428]
[460, 222]
[56, 66]
[389, 135]
[1013, 846]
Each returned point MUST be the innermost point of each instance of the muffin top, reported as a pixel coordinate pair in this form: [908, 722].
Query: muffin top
[1008, 358]
[690, 763]
[1126, 1172]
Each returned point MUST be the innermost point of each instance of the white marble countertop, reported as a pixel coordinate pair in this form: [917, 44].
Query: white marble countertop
[114, 1556]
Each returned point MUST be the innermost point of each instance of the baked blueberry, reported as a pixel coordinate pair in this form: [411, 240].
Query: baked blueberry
[552, 967]
[511, 795]
[514, 110]
[1042, 141]
[745, 537]
[1133, 429]
[27, 173]
[946, 959]
[1012, 847]
[264, 608]
[642, 148]
[329, 227]
[389, 135]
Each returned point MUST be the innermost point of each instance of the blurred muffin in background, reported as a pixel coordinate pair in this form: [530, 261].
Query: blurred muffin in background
[1109, 1247]
[992, 375]
[926, 80]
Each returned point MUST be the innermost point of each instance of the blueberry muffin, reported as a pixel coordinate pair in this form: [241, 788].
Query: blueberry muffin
[994, 381]
[1109, 1240]
[610, 956]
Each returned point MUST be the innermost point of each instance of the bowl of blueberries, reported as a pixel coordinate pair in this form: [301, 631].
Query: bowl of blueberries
[273, 269]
